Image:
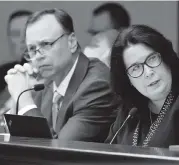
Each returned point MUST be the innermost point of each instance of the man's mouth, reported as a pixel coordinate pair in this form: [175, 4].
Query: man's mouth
[43, 66]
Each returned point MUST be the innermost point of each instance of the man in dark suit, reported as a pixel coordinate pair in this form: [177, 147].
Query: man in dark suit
[86, 102]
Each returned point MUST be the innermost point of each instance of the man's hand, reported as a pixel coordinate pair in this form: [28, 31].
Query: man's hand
[19, 79]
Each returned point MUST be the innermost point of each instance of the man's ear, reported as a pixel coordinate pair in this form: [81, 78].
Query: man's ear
[72, 42]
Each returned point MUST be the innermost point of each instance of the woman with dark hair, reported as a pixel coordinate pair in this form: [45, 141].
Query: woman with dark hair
[144, 72]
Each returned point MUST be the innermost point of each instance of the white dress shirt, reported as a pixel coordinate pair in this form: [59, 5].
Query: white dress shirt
[62, 88]
[100, 46]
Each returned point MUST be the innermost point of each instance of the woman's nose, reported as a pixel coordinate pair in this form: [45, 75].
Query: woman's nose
[148, 71]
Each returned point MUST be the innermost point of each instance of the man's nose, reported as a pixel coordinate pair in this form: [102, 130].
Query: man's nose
[38, 55]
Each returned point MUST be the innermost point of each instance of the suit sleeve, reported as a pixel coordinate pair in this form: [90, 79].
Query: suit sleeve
[35, 111]
[115, 126]
[94, 111]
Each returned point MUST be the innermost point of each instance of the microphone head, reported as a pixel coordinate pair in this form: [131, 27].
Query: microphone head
[133, 111]
[39, 87]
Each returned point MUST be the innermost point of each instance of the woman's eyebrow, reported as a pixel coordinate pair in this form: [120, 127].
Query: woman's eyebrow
[144, 60]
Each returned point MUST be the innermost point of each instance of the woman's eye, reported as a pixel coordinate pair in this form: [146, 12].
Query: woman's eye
[136, 67]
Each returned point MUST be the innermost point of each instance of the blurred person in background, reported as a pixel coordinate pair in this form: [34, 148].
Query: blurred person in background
[106, 20]
[15, 33]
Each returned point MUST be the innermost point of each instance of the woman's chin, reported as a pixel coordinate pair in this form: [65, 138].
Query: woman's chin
[155, 93]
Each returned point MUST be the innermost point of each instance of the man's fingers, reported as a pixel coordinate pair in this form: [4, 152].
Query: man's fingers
[19, 68]
[6, 78]
[28, 68]
[12, 71]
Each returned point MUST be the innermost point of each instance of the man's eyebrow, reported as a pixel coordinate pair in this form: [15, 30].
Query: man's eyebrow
[39, 42]
[45, 40]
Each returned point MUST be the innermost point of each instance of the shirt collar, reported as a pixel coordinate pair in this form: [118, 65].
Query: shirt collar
[61, 89]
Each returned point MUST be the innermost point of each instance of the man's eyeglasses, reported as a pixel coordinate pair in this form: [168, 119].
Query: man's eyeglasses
[137, 69]
[44, 47]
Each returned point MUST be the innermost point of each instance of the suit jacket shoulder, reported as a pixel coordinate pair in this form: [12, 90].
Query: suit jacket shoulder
[95, 83]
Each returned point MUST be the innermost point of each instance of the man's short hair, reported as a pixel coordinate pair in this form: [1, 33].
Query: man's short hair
[117, 12]
[61, 16]
[16, 14]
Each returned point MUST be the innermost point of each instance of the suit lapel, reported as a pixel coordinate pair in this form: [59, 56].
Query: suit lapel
[46, 105]
[77, 78]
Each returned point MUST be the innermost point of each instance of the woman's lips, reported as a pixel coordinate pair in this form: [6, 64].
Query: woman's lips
[153, 83]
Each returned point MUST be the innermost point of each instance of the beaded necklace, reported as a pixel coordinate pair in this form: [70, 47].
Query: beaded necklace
[154, 126]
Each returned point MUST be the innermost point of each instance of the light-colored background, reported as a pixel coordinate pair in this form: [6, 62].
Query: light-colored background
[159, 15]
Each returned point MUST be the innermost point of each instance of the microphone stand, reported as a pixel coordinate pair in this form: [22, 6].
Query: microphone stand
[17, 105]
[131, 114]
[119, 129]
[36, 87]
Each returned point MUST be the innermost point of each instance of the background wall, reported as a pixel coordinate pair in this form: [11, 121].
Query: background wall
[159, 15]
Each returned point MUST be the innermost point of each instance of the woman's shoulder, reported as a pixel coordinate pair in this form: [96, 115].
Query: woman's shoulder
[175, 106]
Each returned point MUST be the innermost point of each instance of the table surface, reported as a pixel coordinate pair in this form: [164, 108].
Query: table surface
[55, 145]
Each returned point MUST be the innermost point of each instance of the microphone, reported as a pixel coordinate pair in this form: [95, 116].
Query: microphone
[37, 87]
[131, 113]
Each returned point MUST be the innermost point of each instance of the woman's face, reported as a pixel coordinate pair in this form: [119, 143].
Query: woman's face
[154, 82]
